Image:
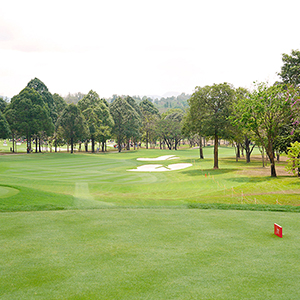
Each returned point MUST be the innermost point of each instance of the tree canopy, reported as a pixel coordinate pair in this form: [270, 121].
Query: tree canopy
[290, 71]
[266, 110]
[73, 125]
[211, 106]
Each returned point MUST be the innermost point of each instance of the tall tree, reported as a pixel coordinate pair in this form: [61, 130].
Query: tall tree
[213, 104]
[290, 71]
[134, 122]
[3, 104]
[171, 127]
[125, 119]
[193, 121]
[27, 114]
[4, 127]
[265, 112]
[47, 97]
[241, 134]
[98, 117]
[73, 125]
[150, 117]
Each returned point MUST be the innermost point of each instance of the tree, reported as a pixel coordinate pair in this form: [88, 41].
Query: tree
[73, 125]
[240, 134]
[47, 97]
[134, 123]
[213, 105]
[125, 119]
[150, 117]
[3, 104]
[290, 71]
[98, 118]
[294, 159]
[27, 114]
[265, 112]
[193, 121]
[171, 127]
[4, 127]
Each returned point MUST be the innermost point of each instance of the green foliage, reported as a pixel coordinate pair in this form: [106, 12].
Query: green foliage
[126, 120]
[181, 102]
[170, 127]
[47, 97]
[98, 117]
[265, 112]
[73, 125]
[210, 108]
[294, 158]
[150, 119]
[147, 106]
[4, 127]
[27, 114]
[290, 71]
[3, 104]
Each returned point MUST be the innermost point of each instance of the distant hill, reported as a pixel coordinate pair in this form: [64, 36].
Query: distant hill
[165, 103]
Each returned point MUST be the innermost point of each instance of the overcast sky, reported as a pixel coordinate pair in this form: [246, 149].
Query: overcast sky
[138, 47]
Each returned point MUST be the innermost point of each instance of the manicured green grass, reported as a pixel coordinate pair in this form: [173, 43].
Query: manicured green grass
[148, 254]
[65, 181]
[82, 227]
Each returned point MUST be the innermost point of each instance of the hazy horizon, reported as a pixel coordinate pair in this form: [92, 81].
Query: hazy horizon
[143, 48]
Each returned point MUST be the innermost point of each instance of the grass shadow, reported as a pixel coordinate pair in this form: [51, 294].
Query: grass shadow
[250, 179]
[210, 172]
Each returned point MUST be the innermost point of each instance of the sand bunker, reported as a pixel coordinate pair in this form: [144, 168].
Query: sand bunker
[160, 168]
[165, 157]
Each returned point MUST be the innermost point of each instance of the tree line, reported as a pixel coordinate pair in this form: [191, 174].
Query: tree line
[38, 116]
[267, 116]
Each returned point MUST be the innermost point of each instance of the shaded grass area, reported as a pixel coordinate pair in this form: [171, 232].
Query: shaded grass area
[148, 254]
[253, 207]
[83, 181]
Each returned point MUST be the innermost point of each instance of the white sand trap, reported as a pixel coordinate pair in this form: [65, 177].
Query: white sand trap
[160, 168]
[178, 166]
[165, 157]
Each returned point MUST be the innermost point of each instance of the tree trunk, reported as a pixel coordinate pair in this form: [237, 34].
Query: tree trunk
[13, 140]
[86, 146]
[201, 148]
[263, 157]
[93, 145]
[102, 146]
[147, 138]
[71, 144]
[28, 143]
[36, 144]
[40, 150]
[216, 162]
[238, 150]
[272, 159]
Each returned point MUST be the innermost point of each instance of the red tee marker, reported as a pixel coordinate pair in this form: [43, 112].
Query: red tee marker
[278, 230]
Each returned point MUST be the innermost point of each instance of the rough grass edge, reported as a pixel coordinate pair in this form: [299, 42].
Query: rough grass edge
[214, 206]
[253, 207]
